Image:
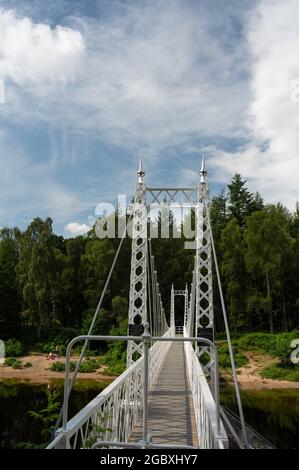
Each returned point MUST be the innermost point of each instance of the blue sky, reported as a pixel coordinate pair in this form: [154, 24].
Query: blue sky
[91, 85]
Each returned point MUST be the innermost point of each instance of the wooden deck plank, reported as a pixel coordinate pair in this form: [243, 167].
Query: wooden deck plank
[171, 413]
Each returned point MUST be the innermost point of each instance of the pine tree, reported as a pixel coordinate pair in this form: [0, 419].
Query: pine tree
[241, 202]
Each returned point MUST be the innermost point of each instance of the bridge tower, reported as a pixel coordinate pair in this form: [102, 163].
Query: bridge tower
[204, 314]
[138, 279]
[175, 293]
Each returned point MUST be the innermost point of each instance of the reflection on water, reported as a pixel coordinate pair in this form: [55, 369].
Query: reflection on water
[273, 413]
[18, 398]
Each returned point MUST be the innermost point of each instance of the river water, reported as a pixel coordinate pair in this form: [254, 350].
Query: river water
[273, 413]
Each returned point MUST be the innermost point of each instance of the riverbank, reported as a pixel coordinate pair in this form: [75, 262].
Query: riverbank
[249, 376]
[39, 373]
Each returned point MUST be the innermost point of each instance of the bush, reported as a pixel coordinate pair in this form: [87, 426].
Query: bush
[13, 362]
[115, 357]
[60, 367]
[89, 366]
[224, 358]
[17, 364]
[27, 365]
[276, 372]
[13, 348]
[9, 361]
[276, 345]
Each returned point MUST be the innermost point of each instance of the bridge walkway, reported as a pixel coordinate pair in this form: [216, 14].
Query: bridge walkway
[171, 418]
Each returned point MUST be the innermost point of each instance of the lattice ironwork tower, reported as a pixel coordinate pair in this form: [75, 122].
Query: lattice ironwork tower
[204, 315]
[174, 293]
[138, 279]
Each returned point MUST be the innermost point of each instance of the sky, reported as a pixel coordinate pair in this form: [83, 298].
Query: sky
[89, 85]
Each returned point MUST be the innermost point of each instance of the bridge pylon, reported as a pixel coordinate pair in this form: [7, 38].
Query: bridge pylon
[204, 312]
[137, 315]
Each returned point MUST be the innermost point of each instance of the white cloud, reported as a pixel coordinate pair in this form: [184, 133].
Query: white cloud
[271, 158]
[159, 75]
[148, 76]
[77, 229]
[36, 54]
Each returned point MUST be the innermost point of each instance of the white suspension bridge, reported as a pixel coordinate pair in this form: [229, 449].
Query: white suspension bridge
[169, 394]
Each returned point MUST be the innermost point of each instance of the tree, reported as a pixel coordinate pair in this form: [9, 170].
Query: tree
[38, 274]
[73, 283]
[268, 242]
[218, 214]
[10, 301]
[241, 202]
[234, 272]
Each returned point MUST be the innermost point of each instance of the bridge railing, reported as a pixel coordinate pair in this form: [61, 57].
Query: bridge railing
[210, 434]
[112, 415]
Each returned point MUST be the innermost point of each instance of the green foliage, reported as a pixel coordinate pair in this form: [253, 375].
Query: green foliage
[97, 430]
[10, 361]
[60, 367]
[115, 357]
[13, 348]
[89, 366]
[10, 298]
[224, 358]
[277, 372]
[48, 416]
[17, 364]
[14, 363]
[277, 345]
[241, 202]
[49, 287]
[234, 272]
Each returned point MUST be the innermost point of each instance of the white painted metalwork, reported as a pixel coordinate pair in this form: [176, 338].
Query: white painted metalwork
[204, 317]
[175, 293]
[112, 415]
[138, 280]
[210, 435]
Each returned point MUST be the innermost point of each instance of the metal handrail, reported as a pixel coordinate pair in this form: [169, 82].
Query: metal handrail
[146, 340]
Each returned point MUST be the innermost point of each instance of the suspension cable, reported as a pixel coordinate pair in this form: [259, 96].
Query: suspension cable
[230, 348]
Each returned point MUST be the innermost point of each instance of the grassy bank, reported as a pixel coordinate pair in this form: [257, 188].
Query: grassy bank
[275, 350]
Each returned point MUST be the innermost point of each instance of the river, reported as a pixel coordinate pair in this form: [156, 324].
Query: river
[273, 413]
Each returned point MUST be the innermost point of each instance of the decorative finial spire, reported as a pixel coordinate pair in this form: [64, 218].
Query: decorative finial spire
[203, 172]
[140, 172]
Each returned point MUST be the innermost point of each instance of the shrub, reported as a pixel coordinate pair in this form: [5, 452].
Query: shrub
[13, 348]
[13, 362]
[276, 372]
[9, 361]
[60, 367]
[17, 364]
[224, 358]
[276, 345]
[89, 366]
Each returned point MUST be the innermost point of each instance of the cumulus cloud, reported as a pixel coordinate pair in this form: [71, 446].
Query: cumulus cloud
[270, 160]
[35, 53]
[76, 229]
[150, 75]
